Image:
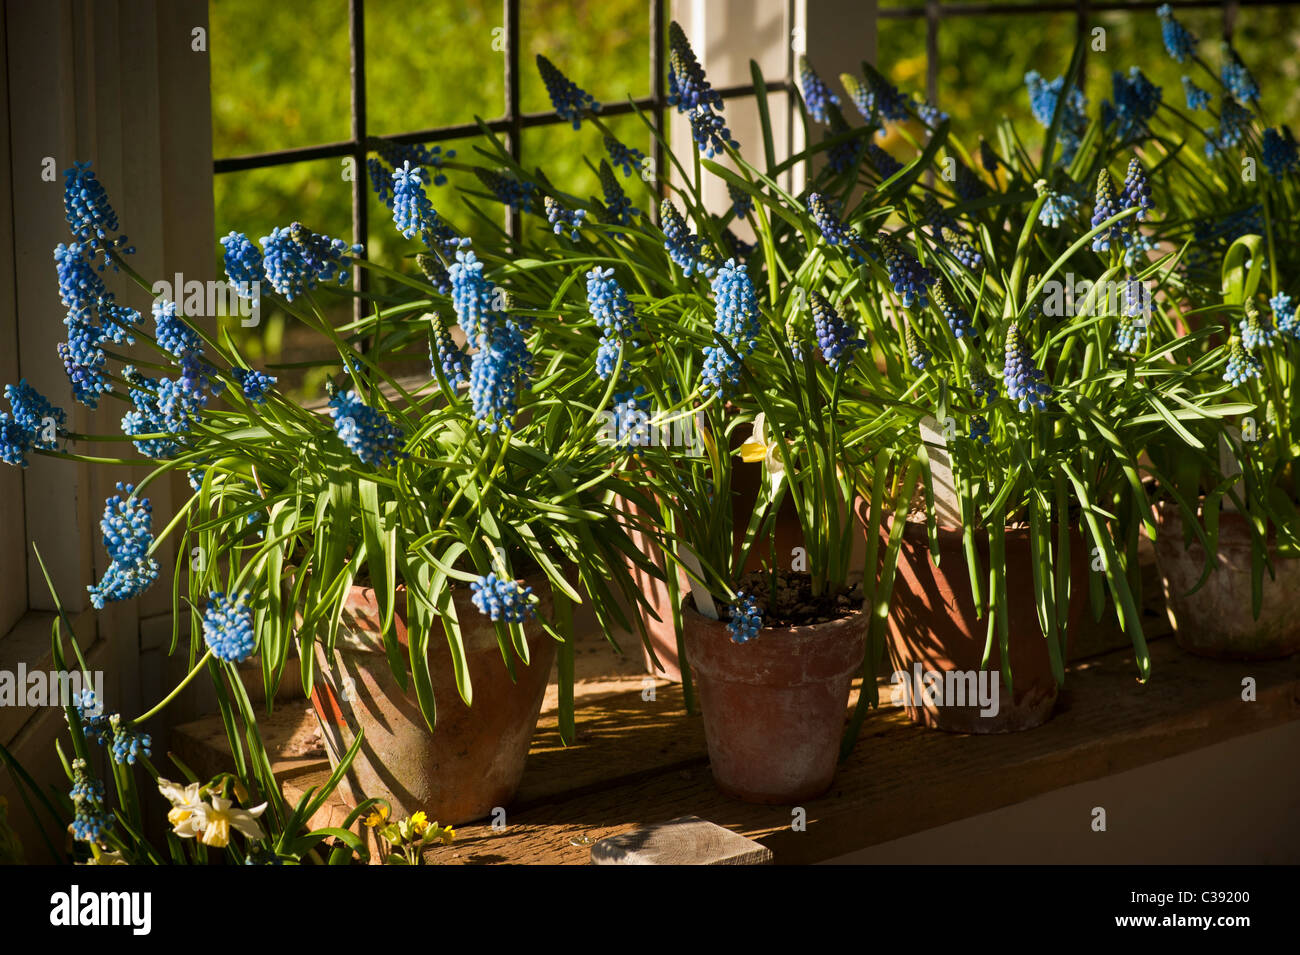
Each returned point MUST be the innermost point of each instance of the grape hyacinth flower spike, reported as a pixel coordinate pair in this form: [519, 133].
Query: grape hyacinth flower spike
[1179, 43]
[736, 324]
[909, 278]
[816, 94]
[228, 627]
[834, 336]
[1137, 190]
[570, 101]
[365, 431]
[918, 355]
[1195, 97]
[562, 219]
[1256, 329]
[1242, 365]
[1107, 206]
[1023, 378]
[127, 525]
[952, 312]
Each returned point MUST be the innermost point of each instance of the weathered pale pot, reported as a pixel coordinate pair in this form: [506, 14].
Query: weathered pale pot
[933, 628]
[774, 707]
[474, 759]
[1217, 620]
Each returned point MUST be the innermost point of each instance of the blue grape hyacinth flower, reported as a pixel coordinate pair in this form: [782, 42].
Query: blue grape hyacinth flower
[1242, 365]
[365, 431]
[860, 95]
[1137, 190]
[563, 220]
[1056, 208]
[1023, 378]
[627, 158]
[736, 323]
[91, 819]
[835, 337]
[958, 320]
[90, 215]
[1107, 206]
[918, 356]
[618, 208]
[828, 224]
[689, 91]
[1195, 97]
[228, 627]
[1179, 43]
[445, 356]
[744, 618]
[253, 384]
[608, 305]
[882, 162]
[515, 193]
[1279, 152]
[909, 278]
[505, 600]
[243, 262]
[296, 259]
[1256, 330]
[173, 333]
[33, 423]
[683, 246]
[817, 96]
[570, 101]
[1286, 315]
[979, 429]
[412, 210]
[1237, 79]
[127, 527]
[961, 248]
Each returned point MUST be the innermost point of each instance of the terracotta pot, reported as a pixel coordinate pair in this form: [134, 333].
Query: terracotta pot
[662, 634]
[474, 759]
[933, 628]
[1217, 620]
[774, 707]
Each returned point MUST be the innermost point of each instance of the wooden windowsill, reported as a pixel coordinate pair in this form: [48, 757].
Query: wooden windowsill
[638, 761]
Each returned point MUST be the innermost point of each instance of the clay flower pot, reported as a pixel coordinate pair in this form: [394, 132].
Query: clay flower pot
[474, 759]
[662, 635]
[933, 630]
[1218, 620]
[774, 707]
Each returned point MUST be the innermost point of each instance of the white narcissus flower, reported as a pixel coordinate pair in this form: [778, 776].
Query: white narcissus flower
[765, 448]
[220, 818]
[188, 807]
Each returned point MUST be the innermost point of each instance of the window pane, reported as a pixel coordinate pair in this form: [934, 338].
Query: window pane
[602, 45]
[279, 74]
[433, 65]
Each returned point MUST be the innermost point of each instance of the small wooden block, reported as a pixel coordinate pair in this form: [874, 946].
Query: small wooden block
[687, 840]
